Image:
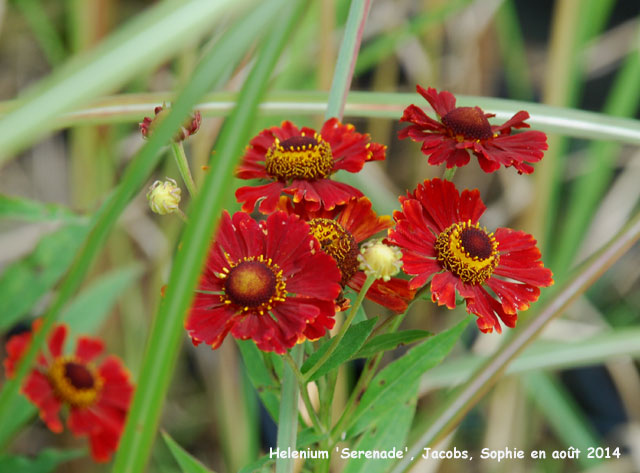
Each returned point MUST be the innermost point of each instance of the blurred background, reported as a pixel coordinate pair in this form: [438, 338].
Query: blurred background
[581, 54]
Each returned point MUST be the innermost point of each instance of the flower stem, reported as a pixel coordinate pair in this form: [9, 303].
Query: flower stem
[183, 167]
[347, 57]
[288, 418]
[335, 341]
[449, 173]
[363, 381]
[305, 394]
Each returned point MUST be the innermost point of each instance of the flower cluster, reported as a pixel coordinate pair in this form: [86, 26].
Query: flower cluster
[280, 279]
[97, 397]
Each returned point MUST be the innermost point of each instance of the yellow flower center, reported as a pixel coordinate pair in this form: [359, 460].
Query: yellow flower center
[468, 251]
[75, 382]
[299, 157]
[468, 123]
[337, 243]
[254, 284]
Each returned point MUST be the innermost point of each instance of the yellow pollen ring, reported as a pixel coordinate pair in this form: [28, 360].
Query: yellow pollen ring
[456, 258]
[64, 387]
[279, 290]
[299, 157]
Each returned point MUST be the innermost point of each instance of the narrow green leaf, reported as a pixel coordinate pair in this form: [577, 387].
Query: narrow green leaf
[86, 313]
[353, 339]
[46, 461]
[259, 376]
[22, 411]
[388, 434]
[24, 282]
[390, 341]
[388, 388]
[187, 462]
[31, 211]
[167, 330]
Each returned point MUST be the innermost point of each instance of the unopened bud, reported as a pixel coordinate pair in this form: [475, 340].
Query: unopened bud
[164, 197]
[380, 260]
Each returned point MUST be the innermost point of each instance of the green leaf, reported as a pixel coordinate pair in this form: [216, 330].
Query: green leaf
[390, 432]
[259, 376]
[22, 411]
[390, 341]
[25, 281]
[88, 310]
[47, 461]
[187, 462]
[388, 388]
[262, 465]
[32, 211]
[353, 339]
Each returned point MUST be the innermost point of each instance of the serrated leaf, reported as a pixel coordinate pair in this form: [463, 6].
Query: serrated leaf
[258, 374]
[24, 282]
[388, 388]
[390, 432]
[186, 461]
[390, 341]
[31, 211]
[46, 462]
[353, 339]
[88, 310]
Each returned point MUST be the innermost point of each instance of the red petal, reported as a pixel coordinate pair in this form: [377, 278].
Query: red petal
[57, 339]
[394, 294]
[39, 391]
[359, 219]
[248, 196]
[443, 289]
[442, 103]
[88, 348]
[210, 326]
[324, 192]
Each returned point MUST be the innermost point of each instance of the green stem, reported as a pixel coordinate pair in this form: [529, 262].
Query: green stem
[347, 58]
[183, 167]
[361, 386]
[335, 341]
[288, 418]
[305, 394]
[449, 173]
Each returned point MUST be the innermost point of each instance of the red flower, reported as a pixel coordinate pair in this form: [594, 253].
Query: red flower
[299, 162]
[265, 281]
[463, 129]
[98, 397]
[340, 232]
[439, 235]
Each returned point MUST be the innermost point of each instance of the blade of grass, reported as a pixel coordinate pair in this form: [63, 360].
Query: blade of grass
[144, 42]
[513, 52]
[623, 101]
[385, 45]
[543, 355]
[48, 38]
[358, 12]
[133, 179]
[167, 330]
[459, 403]
[568, 121]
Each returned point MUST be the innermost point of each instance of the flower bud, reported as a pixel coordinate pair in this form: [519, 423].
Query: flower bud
[380, 260]
[188, 128]
[164, 197]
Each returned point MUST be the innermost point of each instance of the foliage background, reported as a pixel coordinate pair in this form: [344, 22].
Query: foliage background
[581, 54]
